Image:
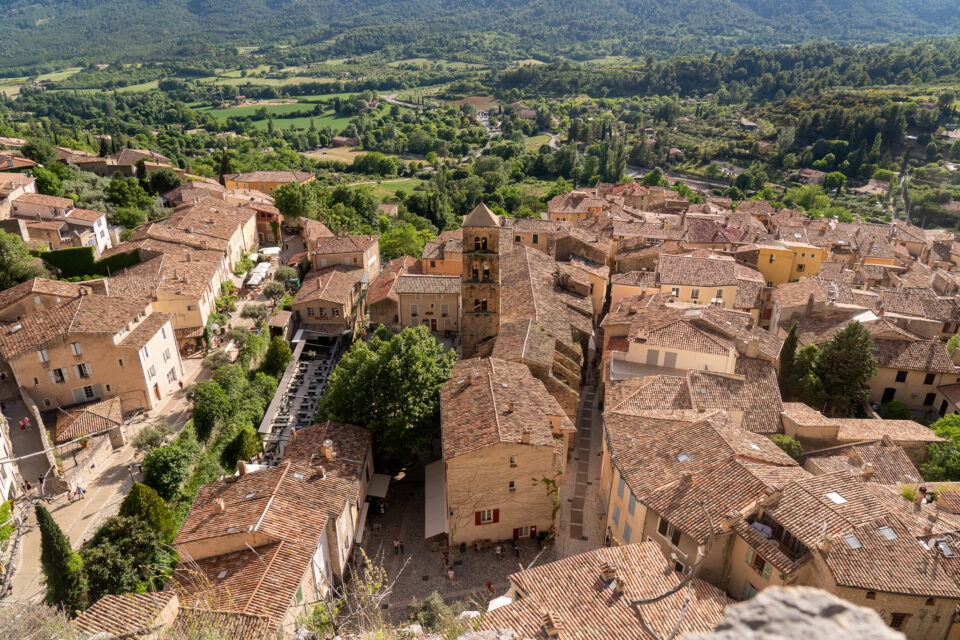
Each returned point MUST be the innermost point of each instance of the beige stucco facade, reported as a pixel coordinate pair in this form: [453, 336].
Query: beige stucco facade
[481, 503]
[436, 311]
[789, 263]
[719, 296]
[917, 390]
[451, 265]
[368, 259]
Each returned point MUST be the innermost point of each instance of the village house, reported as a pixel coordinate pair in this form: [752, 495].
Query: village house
[884, 462]
[632, 283]
[575, 206]
[272, 540]
[74, 227]
[266, 181]
[709, 278]
[500, 428]
[312, 231]
[330, 300]
[15, 163]
[783, 262]
[592, 593]
[218, 225]
[12, 186]
[35, 295]
[428, 300]
[383, 300]
[91, 347]
[358, 251]
[444, 254]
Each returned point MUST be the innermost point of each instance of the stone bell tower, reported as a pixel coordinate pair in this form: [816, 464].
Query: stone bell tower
[480, 284]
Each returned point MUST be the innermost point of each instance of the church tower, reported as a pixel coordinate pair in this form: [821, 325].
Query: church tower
[480, 280]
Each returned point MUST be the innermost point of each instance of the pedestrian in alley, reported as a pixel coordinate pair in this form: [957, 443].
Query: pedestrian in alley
[81, 492]
[490, 591]
[396, 547]
[499, 549]
[451, 576]
[516, 550]
[26, 422]
[403, 548]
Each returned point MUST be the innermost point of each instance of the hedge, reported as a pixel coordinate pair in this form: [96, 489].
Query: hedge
[80, 261]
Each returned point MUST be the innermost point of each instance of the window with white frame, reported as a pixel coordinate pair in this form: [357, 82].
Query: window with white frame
[486, 516]
[152, 371]
[669, 532]
[166, 354]
[171, 376]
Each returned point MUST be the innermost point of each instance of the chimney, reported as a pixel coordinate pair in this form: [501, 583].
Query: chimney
[525, 436]
[642, 335]
[552, 624]
[242, 467]
[868, 469]
[322, 472]
[827, 545]
[608, 570]
[619, 585]
[511, 407]
[753, 348]
[887, 440]
[326, 450]
[221, 505]
[687, 478]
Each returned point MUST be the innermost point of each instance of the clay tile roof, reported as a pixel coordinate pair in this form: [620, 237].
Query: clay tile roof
[87, 419]
[432, 284]
[889, 464]
[573, 591]
[527, 341]
[315, 229]
[806, 415]
[476, 407]
[87, 215]
[713, 271]
[333, 284]
[146, 330]
[636, 278]
[447, 242]
[384, 285]
[271, 176]
[39, 286]
[861, 557]
[753, 390]
[481, 216]
[634, 396]
[913, 355]
[86, 314]
[46, 201]
[131, 614]
[192, 623]
[131, 156]
[856, 429]
[344, 244]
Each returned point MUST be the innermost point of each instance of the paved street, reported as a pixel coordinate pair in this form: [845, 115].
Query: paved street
[581, 511]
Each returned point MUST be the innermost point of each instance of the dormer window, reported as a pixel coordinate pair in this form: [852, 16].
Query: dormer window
[836, 498]
[683, 457]
[888, 533]
[852, 541]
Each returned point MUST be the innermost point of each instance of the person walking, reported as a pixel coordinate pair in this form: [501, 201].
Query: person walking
[402, 548]
[396, 547]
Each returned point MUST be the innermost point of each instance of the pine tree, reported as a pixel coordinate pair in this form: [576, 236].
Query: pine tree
[62, 567]
[845, 365]
[787, 377]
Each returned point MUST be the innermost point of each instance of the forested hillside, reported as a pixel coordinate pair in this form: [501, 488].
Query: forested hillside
[35, 31]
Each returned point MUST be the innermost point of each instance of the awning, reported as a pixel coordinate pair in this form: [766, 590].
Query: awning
[435, 499]
[362, 522]
[379, 484]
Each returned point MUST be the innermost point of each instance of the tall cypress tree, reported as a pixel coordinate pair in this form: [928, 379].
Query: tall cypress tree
[846, 364]
[787, 377]
[62, 567]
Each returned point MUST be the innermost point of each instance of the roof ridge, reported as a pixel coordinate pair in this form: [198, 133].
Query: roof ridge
[493, 400]
[273, 494]
[263, 575]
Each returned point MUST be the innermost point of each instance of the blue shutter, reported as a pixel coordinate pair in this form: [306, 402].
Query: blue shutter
[616, 515]
[626, 533]
[632, 505]
[620, 488]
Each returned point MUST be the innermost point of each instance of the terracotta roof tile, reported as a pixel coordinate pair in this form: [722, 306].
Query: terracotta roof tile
[432, 284]
[333, 284]
[343, 244]
[888, 464]
[87, 419]
[132, 614]
[384, 285]
[271, 176]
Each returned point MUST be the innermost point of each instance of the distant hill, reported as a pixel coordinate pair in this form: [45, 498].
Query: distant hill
[37, 31]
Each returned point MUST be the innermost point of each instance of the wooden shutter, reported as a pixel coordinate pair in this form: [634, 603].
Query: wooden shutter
[496, 516]
[749, 556]
[767, 570]
[675, 539]
[76, 370]
[476, 518]
[52, 378]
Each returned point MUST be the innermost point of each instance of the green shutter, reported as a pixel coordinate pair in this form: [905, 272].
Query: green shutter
[749, 556]
[767, 570]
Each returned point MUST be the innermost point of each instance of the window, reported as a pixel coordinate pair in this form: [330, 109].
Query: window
[852, 541]
[616, 514]
[675, 292]
[146, 351]
[620, 487]
[433, 263]
[536, 238]
[772, 258]
[163, 332]
[336, 312]
[486, 272]
[683, 457]
[512, 485]
[749, 591]
[632, 505]
[836, 498]
[928, 399]
[190, 307]
[476, 272]
[58, 376]
[476, 244]
[36, 381]
[799, 267]
[517, 239]
[166, 354]
[43, 356]
[418, 296]
[414, 309]
[486, 516]
[523, 532]
[483, 304]
[669, 532]
[75, 348]
[513, 461]
[901, 376]
[719, 294]
[444, 309]
[88, 392]
[37, 300]
[871, 595]
[82, 370]
[694, 293]
[929, 378]
[310, 312]
[120, 361]
[929, 602]
[945, 549]
[626, 533]
[171, 376]
[897, 620]
[152, 371]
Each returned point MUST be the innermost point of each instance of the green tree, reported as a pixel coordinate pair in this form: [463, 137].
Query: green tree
[128, 217]
[284, 273]
[943, 462]
[152, 436]
[834, 181]
[953, 343]
[845, 365]
[40, 150]
[895, 410]
[256, 312]
[62, 567]
[145, 503]
[948, 427]
[401, 377]
[163, 180]
[274, 291]
[955, 150]
[164, 469]
[654, 178]
[790, 446]
[805, 370]
[211, 408]
[124, 553]
[48, 183]
[277, 357]
[404, 239]
[16, 263]
[296, 200]
[244, 446]
[787, 377]
[127, 192]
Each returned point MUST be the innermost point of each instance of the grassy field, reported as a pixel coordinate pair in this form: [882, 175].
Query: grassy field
[335, 154]
[387, 188]
[56, 76]
[535, 142]
[250, 110]
[327, 120]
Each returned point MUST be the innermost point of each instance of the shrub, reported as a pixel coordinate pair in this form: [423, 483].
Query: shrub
[895, 410]
[244, 446]
[165, 468]
[145, 503]
[789, 445]
[152, 436]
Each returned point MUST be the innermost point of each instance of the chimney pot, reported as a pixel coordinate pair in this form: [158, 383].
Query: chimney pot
[221, 505]
[608, 570]
[827, 545]
[687, 478]
[868, 469]
[525, 436]
[242, 467]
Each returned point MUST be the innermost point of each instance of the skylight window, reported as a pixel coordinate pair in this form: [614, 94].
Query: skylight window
[852, 541]
[683, 457]
[298, 475]
[836, 498]
[222, 575]
[753, 446]
[944, 547]
[250, 495]
[888, 533]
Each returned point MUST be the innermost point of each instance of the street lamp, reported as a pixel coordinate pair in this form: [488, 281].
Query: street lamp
[130, 470]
